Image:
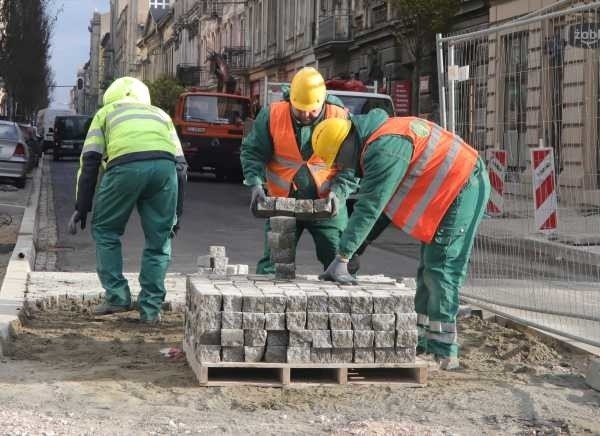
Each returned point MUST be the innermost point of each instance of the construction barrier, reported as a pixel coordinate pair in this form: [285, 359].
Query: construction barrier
[497, 171]
[544, 190]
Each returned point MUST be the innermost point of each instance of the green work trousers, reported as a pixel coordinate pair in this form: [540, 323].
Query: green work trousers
[151, 185]
[326, 236]
[443, 266]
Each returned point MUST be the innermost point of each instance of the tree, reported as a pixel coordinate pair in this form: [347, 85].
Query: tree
[419, 22]
[164, 93]
[25, 54]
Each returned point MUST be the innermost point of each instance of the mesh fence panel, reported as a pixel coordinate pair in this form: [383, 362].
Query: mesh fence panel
[519, 86]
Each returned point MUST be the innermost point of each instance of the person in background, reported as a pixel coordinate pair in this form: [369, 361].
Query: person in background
[145, 168]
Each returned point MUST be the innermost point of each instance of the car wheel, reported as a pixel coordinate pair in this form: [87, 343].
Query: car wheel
[20, 182]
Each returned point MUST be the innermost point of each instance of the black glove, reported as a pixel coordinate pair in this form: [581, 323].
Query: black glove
[338, 272]
[75, 218]
[257, 194]
[181, 180]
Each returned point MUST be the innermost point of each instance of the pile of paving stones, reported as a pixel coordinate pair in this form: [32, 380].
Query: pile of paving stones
[291, 207]
[259, 319]
[217, 262]
[282, 244]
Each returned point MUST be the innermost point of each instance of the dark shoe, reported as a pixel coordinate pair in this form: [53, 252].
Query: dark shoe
[107, 309]
[151, 321]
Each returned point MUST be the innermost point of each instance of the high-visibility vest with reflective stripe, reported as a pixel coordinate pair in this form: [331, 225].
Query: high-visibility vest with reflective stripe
[440, 166]
[287, 160]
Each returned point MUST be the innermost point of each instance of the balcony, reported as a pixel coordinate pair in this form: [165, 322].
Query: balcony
[188, 74]
[335, 29]
[237, 58]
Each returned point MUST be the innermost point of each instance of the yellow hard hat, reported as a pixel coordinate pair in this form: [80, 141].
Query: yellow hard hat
[127, 87]
[307, 91]
[328, 137]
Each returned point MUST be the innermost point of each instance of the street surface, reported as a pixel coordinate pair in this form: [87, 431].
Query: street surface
[215, 214]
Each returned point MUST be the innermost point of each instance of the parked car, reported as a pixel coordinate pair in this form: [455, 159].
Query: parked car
[33, 142]
[69, 134]
[14, 153]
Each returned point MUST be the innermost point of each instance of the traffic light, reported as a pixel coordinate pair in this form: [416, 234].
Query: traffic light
[79, 83]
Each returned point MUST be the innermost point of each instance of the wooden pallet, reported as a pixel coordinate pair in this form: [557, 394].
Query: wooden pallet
[265, 374]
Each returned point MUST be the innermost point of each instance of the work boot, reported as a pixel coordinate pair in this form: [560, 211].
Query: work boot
[151, 321]
[450, 363]
[106, 309]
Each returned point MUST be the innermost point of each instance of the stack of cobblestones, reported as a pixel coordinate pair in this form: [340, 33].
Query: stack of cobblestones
[282, 244]
[216, 262]
[291, 207]
[254, 319]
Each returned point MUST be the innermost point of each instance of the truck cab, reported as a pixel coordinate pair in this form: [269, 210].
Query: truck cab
[210, 127]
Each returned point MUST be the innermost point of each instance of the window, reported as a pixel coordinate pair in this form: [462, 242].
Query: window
[218, 110]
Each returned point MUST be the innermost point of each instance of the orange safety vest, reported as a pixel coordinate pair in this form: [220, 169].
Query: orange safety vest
[287, 160]
[440, 166]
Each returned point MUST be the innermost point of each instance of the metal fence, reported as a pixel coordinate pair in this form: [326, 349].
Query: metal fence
[532, 84]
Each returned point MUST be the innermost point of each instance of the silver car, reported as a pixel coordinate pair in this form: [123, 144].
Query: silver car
[14, 153]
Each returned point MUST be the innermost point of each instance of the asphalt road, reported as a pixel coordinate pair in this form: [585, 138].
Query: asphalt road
[216, 213]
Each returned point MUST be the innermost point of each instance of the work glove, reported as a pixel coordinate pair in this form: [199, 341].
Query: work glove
[257, 194]
[77, 217]
[335, 203]
[338, 272]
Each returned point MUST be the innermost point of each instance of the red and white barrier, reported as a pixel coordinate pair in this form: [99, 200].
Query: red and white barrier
[496, 170]
[544, 190]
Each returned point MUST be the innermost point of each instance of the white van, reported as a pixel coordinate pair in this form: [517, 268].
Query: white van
[45, 124]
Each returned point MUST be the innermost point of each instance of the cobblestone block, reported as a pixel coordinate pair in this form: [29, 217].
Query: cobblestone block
[321, 338]
[385, 339]
[394, 355]
[206, 296]
[232, 301]
[232, 270]
[275, 321]
[317, 301]
[409, 282]
[232, 354]
[255, 338]
[208, 353]
[220, 263]
[232, 337]
[404, 301]
[253, 321]
[340, 355]
[384, 321]
[340, 321]
[362, 302]
[317, 321]
[383, 302]
[296, 320]
[277, 338]
[283, 224]
[364, 355]
[406, 321]
[275, 354]
[243, 269]
[254, 354]
[298, 354]
[281, 240]
[339, 301]
[285, 271]
[300, 338]
[361, 321]
[364, 338]
[320, 355]
[208, 337]
[265, 208]
[217, 251]
[231, 320]
[296, 300]
[209, 320]
[204, 261]
[406, 338]
[283, 255]
[342, 338]
[285, 206]
[274, 302]
[304, 209]
[322, 208]
[253, 301]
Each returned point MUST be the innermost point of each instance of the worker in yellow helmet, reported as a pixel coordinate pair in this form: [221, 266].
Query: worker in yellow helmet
[145, 168]
[278, 160]
[428, 182]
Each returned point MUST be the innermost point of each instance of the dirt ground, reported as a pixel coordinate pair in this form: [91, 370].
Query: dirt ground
[70, 374]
